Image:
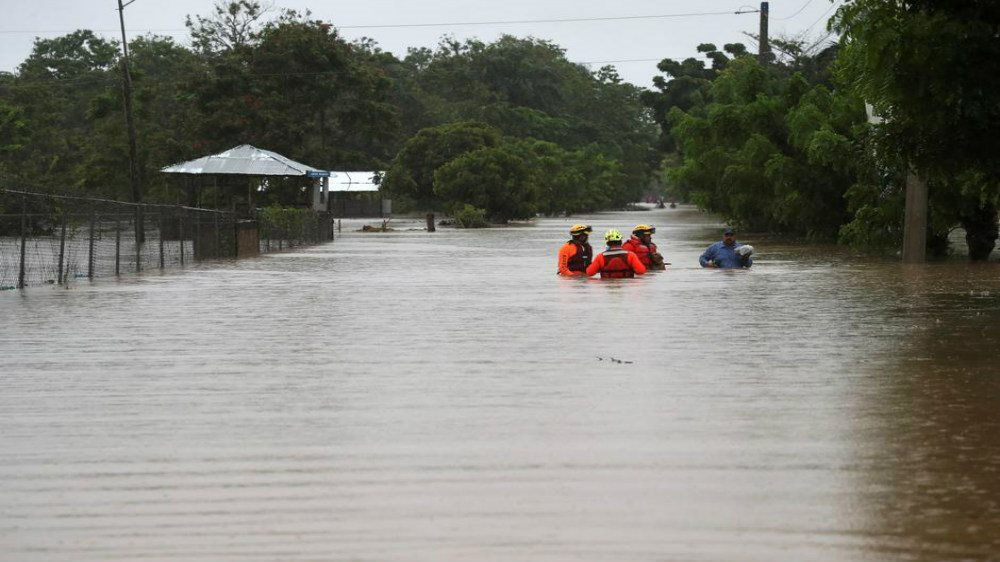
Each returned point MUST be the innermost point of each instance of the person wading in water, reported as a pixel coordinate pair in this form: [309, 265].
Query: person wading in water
[616, 262]
[642, 244]
[576, 255]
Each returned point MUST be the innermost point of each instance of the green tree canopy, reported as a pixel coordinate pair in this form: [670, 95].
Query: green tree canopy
[772, 153]
[926, 67]
[412, 171]
[491, 178]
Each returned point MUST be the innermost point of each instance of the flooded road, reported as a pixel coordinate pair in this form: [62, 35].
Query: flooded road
[414, 396]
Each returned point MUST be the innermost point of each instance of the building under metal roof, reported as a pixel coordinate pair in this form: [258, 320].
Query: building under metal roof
[355, 181]
[245, 160]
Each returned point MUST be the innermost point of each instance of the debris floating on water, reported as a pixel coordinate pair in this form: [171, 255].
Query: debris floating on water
[616, 360]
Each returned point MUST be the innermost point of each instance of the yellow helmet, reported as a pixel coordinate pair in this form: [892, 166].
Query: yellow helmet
[641, 228]
[612, 235]
[580, 229]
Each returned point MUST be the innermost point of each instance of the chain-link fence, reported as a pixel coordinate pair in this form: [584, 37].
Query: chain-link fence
[46, 238]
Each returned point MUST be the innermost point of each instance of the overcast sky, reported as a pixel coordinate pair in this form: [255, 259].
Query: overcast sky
[634, 45]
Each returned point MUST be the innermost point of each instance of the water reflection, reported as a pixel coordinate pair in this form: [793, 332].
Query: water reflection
[930, 463]
[414, 396]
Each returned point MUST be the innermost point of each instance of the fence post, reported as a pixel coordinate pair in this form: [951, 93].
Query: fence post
[139, 235]
[90, 251]
[118, 245]
[159, 230]
[260, 224]
[62, 250]
[180, 233]
[236, 238]
[24, 239]
[218, 238]
[197, 234]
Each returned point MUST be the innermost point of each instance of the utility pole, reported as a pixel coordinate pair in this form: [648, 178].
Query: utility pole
[133, 166]
[915, 219]
[764, 50]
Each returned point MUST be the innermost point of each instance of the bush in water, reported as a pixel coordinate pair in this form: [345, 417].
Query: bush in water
[471, 217]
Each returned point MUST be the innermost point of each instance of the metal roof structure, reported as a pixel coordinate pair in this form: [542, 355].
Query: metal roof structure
[354, 181]
[245, 160]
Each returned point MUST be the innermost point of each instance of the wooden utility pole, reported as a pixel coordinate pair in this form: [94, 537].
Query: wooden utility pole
[133, 166]
[764, 49]
[915, 219]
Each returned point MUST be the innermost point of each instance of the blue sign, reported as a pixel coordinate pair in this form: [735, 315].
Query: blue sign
[317, 174]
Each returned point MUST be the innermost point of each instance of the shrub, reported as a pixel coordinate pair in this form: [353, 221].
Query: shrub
[471, 217]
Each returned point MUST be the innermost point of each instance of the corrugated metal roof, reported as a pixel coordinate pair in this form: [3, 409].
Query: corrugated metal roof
[354, 181]
[243, 160]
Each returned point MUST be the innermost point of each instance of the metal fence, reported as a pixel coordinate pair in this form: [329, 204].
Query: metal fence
[49, 238]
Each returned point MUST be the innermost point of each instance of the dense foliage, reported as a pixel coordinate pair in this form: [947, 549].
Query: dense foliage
[573, 140]
[763, 145]
[510, 129]
[926, 67]
[292, 84]
[785, 146]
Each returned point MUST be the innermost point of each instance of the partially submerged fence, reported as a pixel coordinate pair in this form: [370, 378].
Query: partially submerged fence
[47, 238]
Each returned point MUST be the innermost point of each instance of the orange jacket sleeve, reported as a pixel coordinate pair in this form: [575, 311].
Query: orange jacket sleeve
[633, 260]
[565, 253]
[596, 265]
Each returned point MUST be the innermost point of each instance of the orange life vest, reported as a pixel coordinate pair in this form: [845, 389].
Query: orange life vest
[642, 251]
[616, 264]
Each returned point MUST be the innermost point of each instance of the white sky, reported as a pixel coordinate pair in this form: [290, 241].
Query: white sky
[635, 45]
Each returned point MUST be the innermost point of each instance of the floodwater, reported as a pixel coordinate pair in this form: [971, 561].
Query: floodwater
[414, 396]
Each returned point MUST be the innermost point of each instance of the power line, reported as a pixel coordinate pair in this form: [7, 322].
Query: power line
[48, 31]
[804, 6]
[813, 24]
[443, 24]
[620, 60]
[553, 20]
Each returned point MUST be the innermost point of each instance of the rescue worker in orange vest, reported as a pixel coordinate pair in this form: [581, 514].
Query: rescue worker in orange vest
[642, 244]
[576, 255]
[616, 262]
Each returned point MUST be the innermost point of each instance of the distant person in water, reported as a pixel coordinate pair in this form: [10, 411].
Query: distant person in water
[728, 253]
[616, 262]
[641, 243]
[576, 254]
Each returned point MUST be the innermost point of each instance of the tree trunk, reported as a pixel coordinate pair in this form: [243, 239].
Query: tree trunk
[980, 231]
[915, 219]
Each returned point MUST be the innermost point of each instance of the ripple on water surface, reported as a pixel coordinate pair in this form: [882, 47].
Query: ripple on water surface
[415, 396]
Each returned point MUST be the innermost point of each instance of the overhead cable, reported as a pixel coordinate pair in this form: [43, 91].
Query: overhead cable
[454, 23]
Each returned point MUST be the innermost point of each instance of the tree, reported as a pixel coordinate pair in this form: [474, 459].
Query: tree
[166, 119]
[571, 181]
[526, 88]
[772, 153]
[232, 26]
[302, 90]
[54, 91]
[411, 174]
[927, 68]
[688, 86]
[491, 178]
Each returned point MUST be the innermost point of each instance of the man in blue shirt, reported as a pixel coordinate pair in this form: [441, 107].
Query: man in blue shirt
[724, 254]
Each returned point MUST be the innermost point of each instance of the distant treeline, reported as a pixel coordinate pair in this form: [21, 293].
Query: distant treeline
[509, 129]
[571, 139]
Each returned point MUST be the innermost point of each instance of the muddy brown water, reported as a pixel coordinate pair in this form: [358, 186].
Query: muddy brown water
[415, 396]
